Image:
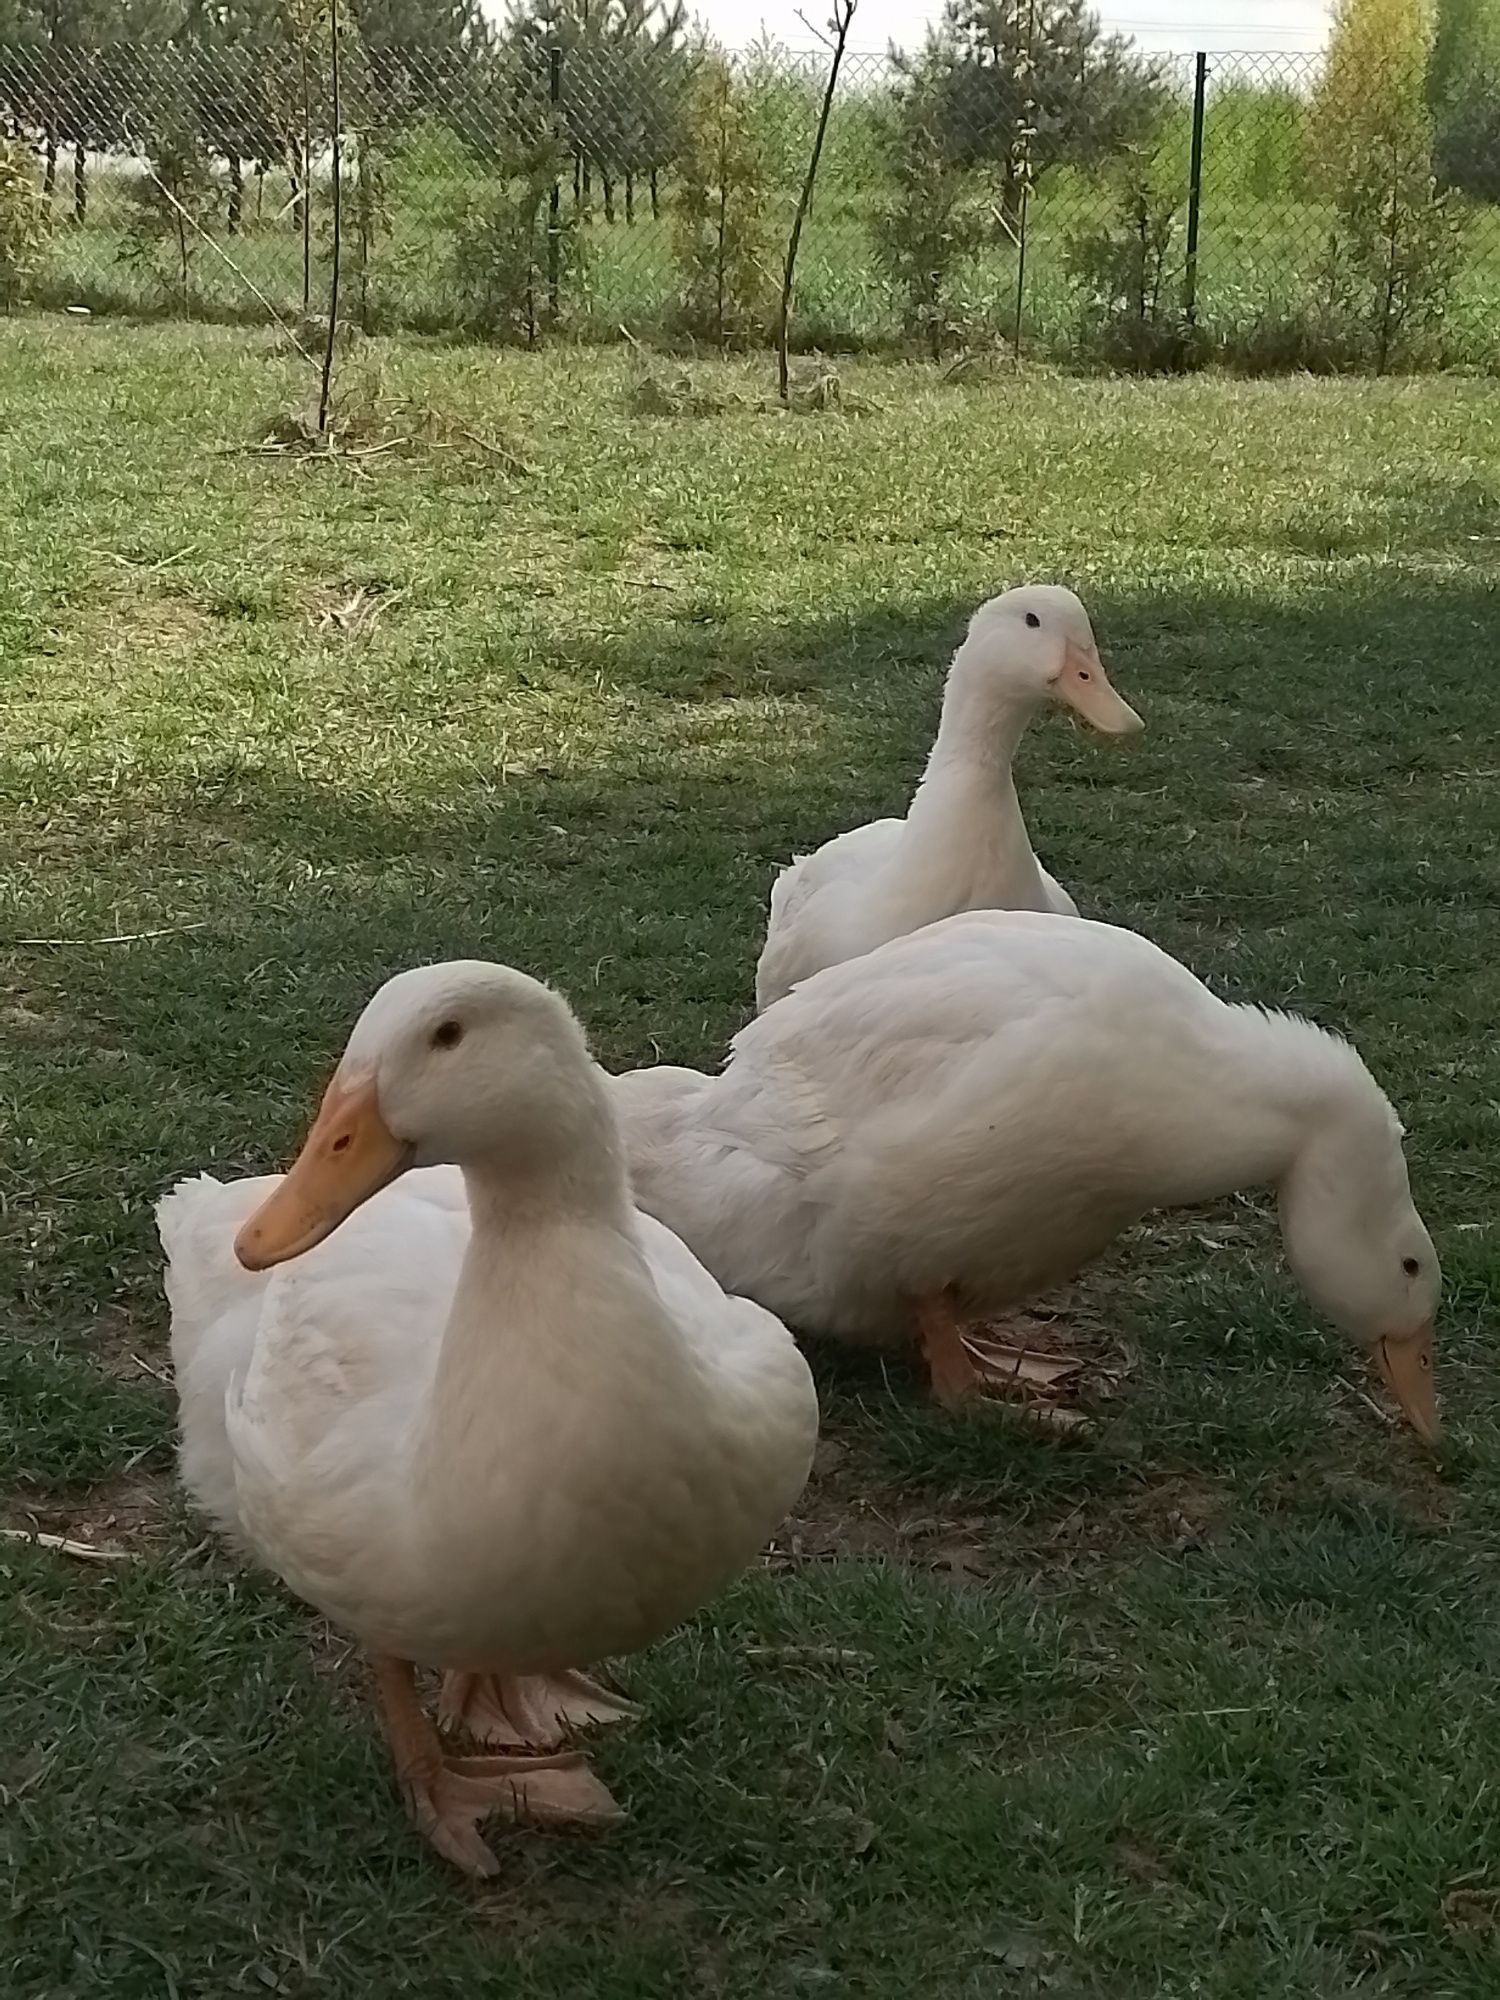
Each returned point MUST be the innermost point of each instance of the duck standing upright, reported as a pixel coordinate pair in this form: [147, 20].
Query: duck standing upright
[490, 1419]
[963, 844]
[960, 1118]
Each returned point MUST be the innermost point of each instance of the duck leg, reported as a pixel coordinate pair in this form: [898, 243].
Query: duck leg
[951, 1367]
[966, 1361]
[448, 1797]
[532, 1711]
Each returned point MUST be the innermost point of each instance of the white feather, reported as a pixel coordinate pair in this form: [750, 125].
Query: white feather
[963, 844]
[514, 1449]
[985, 1104]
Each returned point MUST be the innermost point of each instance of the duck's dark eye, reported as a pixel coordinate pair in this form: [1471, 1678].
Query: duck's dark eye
[1032, 620]
[1410, 1266]
[447, 1034]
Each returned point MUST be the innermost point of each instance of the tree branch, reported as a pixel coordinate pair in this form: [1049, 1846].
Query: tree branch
[816, 32]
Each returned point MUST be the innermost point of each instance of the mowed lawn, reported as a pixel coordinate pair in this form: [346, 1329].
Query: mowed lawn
[1197, 1700]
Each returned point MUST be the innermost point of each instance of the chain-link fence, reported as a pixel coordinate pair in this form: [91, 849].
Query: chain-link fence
[1140, 212]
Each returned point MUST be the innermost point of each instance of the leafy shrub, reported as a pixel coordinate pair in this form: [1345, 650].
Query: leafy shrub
[171, 203]
[23, 223]
[1131, 271]
[1463, 94]
[505, 253]
[1257, 143]
[1313, 333]
[933, 222]
[1402, 242]
[1371, 127]
[369, 215]
[722, 236]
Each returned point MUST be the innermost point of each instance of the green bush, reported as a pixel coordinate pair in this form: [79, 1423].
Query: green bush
[1256, 143]
[933, 222]
[1313, 333]
[172, 202]
[23, 223]
[506, 251]
[722, 236]
[1463, 94]
[1402, 243]
[1130, 271]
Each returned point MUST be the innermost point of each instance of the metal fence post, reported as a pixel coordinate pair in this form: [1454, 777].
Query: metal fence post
[554, 198]
[1195, 190]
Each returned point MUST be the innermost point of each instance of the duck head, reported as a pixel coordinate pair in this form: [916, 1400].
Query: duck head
[450, 1063]
[1039, 640]
[1361, 1252]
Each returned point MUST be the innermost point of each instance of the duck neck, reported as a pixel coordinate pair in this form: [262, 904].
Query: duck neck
[543, 1227]
[965, 816]
[511, 1205]
[1347, 1165]
[1285, 1094]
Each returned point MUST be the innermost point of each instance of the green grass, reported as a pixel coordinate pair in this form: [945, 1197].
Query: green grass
[1199, 1705]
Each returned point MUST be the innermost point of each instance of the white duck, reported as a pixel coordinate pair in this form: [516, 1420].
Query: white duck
[969, 1114]
[501, 1423]
[963, 844]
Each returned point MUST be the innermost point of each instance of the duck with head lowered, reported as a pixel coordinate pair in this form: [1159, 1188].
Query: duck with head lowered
[463, 1398]
[963, 844]
[945, 1127]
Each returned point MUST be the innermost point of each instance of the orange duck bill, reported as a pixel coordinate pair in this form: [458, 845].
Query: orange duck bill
[1088, 691]
[1405, 1366]
[349, 1155]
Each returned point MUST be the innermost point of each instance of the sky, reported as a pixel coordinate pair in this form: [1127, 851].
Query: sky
[1248, 25]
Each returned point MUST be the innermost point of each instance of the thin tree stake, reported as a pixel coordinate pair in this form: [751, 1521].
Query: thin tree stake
[843, 15]
[1028, 112]
[306, 180]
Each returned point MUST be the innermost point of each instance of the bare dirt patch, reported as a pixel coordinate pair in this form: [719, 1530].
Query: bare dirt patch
[118, 1343]
[156, 621]
[126, 1515]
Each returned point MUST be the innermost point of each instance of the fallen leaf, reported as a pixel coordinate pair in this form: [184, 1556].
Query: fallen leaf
[1021, 1953]
[960, 1558]
[1025, 1366]
[1139, 1862]
[1476, 1911]
[1056, 1417]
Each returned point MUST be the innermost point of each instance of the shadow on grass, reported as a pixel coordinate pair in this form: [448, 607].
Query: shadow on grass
[1207, 1751]
[1305, 823]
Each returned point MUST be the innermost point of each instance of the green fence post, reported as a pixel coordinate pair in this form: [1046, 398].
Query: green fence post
[1195, 190]
[554, 198]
